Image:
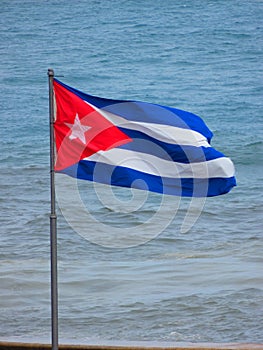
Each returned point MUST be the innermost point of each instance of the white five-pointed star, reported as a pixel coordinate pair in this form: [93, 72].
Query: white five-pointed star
[78, 130]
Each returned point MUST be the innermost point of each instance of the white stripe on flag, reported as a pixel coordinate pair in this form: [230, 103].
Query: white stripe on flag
[220, 167]
[161, 132]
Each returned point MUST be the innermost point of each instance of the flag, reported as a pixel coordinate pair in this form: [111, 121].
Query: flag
[137, 144]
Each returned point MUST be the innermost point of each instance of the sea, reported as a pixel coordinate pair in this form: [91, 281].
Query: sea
[141, 267]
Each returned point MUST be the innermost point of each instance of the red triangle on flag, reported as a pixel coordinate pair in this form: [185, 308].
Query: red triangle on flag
[80, 129]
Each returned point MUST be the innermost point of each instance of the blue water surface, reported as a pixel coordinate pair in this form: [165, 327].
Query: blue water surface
[205, 285]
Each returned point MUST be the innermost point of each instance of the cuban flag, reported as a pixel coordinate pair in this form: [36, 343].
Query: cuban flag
[137, 144]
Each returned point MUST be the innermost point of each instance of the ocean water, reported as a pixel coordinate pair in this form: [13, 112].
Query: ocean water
[119, 281]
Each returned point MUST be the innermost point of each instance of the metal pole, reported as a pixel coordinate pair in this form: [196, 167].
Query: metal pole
[53, 220]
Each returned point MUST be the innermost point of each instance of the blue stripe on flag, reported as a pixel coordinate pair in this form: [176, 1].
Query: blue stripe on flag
[182, 154]
[126, 177]
[147, 112]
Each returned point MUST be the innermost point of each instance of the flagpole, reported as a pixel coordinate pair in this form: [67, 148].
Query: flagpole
[53, 219]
